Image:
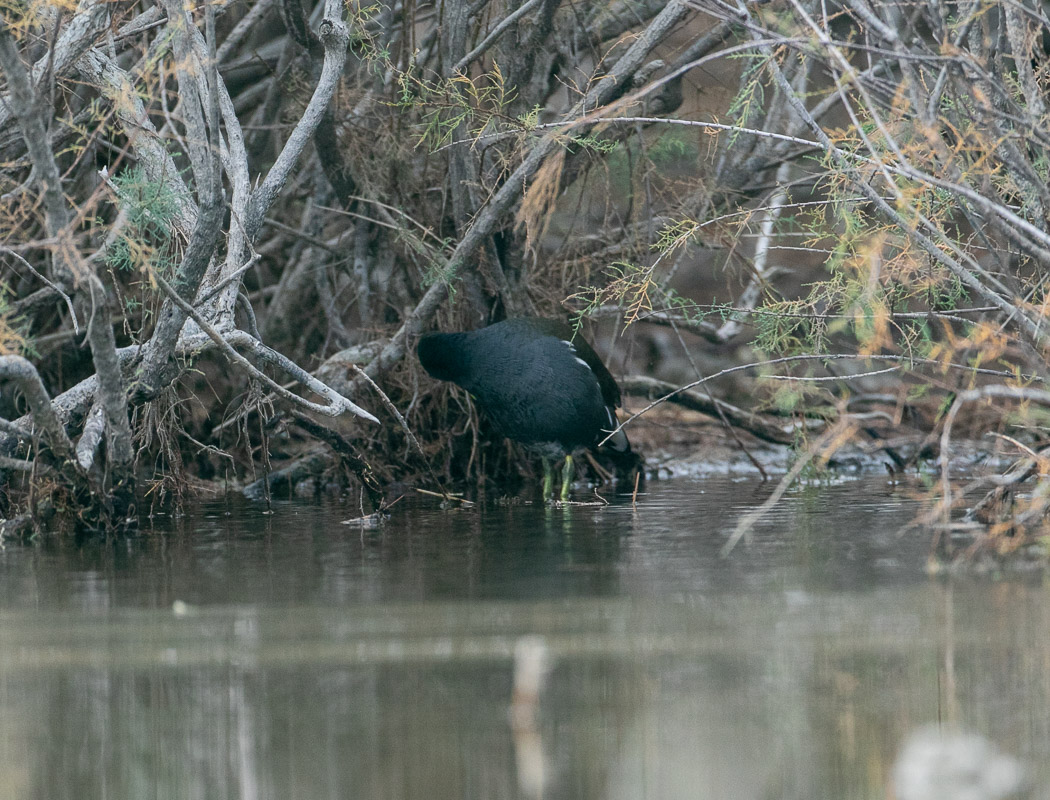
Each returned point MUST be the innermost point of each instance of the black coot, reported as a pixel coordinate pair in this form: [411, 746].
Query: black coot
[537, 384]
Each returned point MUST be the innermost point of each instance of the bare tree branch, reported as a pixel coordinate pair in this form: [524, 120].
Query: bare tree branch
[204, 128]
[89, 22]
[336, 404]
[117, 86]
[91, 438]
[24, 374]
[335, 37]
[29, 111]
[487, 220]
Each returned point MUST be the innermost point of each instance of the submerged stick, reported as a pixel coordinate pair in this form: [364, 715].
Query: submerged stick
[828, 440]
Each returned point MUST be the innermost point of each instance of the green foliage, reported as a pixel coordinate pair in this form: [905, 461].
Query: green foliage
[672, 147]
[530, 119]
[750, 98]
[945, 405]
[918, 391]
[456, 106]
[916, 339]
[629, 285]
[947, 294]
[120, 256]
[149, 207]
[790, 326]
[788, 397]
[1028, 417]
[595, 143]
[362, 41]
[441, 272]
[676, 234]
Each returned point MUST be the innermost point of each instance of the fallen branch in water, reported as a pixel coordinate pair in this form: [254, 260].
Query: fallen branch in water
[764, 428]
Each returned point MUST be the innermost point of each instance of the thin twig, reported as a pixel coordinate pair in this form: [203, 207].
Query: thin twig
[494, 34]
[55, 286]
[256, 12]
[832, 378]
[388, 403]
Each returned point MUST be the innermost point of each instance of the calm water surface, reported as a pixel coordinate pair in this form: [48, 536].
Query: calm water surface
[237, 654]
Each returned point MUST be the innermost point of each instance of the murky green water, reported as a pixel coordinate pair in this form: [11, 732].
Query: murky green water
[289, 656]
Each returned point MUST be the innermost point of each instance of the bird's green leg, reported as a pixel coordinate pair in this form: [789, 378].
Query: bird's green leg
[568, 472]
[548, 480]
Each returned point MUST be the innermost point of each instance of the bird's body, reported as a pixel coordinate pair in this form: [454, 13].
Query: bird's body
[538, 385]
